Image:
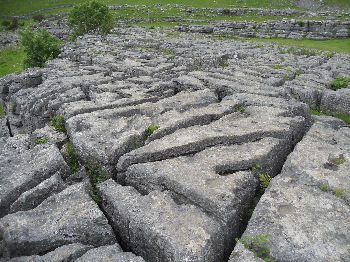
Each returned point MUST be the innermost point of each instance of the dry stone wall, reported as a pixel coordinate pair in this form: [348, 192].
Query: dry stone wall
[220, 109]
[316, 30]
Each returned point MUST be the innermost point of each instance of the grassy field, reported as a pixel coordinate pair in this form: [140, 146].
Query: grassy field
[333, 45]
[20, 7]
[11, 60]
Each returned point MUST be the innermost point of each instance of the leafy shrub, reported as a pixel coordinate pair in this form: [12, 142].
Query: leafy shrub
[90, 17]
[39, 47]
[38, 17]
[339, 82]
[58, 123]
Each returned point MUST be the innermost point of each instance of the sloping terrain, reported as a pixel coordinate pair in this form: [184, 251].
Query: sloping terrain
[184, 131]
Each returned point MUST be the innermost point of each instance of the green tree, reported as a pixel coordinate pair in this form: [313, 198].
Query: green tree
[90, 17]
[39, 47]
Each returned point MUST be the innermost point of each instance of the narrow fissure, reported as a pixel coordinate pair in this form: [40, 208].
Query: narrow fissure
[9, 127]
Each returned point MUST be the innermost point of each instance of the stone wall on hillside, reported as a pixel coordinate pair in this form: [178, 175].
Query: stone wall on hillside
[316, 30]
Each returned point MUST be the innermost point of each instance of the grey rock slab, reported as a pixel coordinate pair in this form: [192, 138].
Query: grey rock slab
[158, 229]
[241, 254]
[15, 145]
[336, 101]
[106, 135]
[112, 253]
[252, 124]
[322, 158]
[54, 137]
[64, 253]
[33, 197]
[217, 179]
[304, 223]
[22, 171]
[70, 216]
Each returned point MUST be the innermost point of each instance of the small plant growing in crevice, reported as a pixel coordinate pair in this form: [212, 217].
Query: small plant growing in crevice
[316, 111]
[97, 175]
[14, 107]
[71, 158]
[298, 72]
[240, 109]
[264, 179]
[58, 123]
[1, 110]
[136, 145]
[150, 130]
[338, 160]
[257, 245]
[339, 192]
[339, 82]
[43, 140]
[324, 188]
[168, 52]
[223, 64]
[278, 67]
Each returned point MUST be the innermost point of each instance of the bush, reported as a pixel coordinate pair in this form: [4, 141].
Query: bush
[38, 17]
[39, 47]
[90, 17]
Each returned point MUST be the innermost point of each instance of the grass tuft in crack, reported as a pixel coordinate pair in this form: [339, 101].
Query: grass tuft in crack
[71, 158]
[97, 175]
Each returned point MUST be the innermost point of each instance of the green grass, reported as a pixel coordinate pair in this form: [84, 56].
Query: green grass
[11, 60]
[334, 45]
[344, 117]
[20, 7]
[41, 141]
[71, 158]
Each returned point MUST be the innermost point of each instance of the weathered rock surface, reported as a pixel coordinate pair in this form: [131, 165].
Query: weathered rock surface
[156, 228]
[24, 170]
[61, 254]
[305, 209]
[67, 217]
[112, 253]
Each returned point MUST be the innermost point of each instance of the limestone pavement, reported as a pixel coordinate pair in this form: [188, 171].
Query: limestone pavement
[183, 125]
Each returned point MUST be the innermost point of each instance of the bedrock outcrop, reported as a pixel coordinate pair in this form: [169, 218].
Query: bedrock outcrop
[172, 136]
